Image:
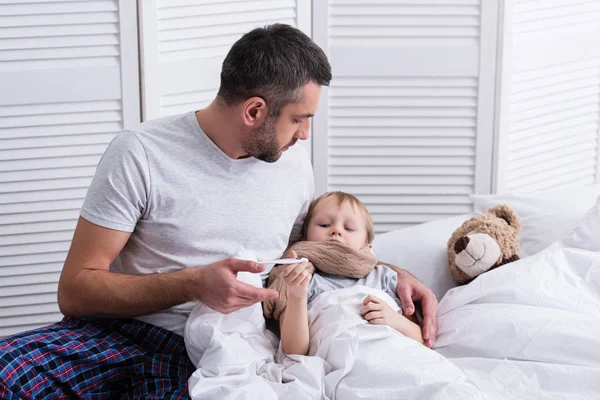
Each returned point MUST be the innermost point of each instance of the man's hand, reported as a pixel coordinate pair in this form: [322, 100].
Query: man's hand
[216, 285]
[296, 278]
[409, 290]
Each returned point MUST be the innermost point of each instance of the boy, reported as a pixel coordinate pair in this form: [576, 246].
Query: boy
[342, 218]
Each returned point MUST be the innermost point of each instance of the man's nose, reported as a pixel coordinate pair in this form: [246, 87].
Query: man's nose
[304, 131]
[302, 134]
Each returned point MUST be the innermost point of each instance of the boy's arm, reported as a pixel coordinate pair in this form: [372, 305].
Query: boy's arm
[293, 324]
[408, 328]
[378, 312]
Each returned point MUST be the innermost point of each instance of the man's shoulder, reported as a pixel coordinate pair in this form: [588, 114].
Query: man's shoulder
[162, 125]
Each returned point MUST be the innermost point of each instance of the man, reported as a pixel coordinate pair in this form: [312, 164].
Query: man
[173, 201]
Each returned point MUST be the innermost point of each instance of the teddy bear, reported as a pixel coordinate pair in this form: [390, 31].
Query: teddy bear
[484, 242]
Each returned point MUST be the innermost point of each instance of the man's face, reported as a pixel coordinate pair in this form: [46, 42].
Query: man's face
[276, 135]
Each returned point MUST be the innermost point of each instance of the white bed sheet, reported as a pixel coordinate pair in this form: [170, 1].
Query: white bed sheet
[527, 330]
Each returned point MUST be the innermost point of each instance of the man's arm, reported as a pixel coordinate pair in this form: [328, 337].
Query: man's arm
[88, 289]
[409, 289]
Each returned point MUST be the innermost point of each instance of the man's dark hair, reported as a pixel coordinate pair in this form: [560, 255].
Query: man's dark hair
[273, 63]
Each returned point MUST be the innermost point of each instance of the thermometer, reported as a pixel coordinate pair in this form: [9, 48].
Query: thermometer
[285, 261]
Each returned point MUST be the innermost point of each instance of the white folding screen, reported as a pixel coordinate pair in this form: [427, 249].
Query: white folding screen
[549, 99]
[184, 42]
[417, 117]
[68, 84]
[407, 122]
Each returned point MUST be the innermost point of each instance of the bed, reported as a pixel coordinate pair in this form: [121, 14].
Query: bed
[527, 330]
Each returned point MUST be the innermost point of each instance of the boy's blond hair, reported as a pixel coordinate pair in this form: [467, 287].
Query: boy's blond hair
[341, 198]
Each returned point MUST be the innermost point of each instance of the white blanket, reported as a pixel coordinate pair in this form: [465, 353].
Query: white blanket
[365, 361]
[527, 330]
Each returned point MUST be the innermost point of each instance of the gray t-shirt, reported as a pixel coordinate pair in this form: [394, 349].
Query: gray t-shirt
[382, 277]
[188, 204]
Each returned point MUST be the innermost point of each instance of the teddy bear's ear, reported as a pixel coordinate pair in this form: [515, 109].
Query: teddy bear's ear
[508, 214]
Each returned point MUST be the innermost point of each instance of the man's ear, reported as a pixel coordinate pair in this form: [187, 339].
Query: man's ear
[254, 111]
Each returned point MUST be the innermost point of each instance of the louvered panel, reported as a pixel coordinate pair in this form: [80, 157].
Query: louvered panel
[43, 237]
[74, 129]
[537, 162]
[581, 140]
[69, 78]
[553, 129]
[553, 15]
[195, 36]
[51, 277]
[573, 134]
[41, 288]
[50, 162]
[560, 171]
[413, 137]
[559, 179]
[12, 325]
[50, 226]
[412, 22]
[32, 259]
[421, 190]
[32, 269]
[16, 300]
[178, 103]
[68, 31]
[554, 95]
[18, 218]
[407, 106]
[404, 131]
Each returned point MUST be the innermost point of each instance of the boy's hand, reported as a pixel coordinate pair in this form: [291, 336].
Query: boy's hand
[296, 278]
[378, 312]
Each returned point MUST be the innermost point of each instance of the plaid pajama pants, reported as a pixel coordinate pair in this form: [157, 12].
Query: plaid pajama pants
[94, 359]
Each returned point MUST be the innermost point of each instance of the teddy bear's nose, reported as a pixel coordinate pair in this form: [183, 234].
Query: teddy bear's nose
[461, 244]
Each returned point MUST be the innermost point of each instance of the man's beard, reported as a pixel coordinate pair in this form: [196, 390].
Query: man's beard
[263, 144]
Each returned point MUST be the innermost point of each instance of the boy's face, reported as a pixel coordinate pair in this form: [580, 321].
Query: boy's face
[344, 224]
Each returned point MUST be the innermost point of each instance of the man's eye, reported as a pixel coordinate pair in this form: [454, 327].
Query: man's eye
[296, 121]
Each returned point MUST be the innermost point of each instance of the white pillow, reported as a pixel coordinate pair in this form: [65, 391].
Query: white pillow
[421, 250]
[586, 234]
[546, 216]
